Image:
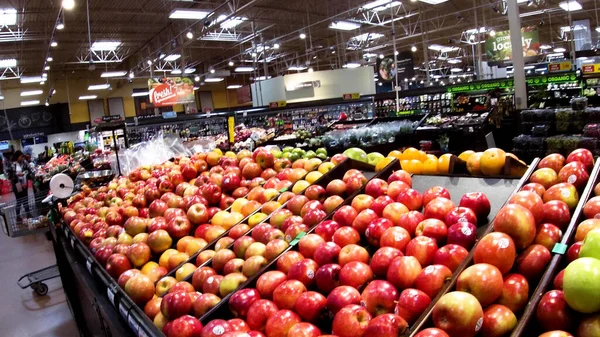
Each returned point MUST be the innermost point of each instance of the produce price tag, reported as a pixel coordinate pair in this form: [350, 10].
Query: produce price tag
[298, 237]
[283, 190]
[559, 248]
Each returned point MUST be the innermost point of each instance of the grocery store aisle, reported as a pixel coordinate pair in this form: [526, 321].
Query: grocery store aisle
[22, 312]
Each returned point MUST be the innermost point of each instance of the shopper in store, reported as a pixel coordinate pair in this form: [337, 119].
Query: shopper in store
[18, 172]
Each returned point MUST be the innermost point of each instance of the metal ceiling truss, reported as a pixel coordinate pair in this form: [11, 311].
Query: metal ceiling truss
[10, 73]
[102, 56]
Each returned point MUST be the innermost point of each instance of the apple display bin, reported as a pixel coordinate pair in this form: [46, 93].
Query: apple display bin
[130, 313]
[335, 173]
[536, 290]
[497, 190]
[525, 326]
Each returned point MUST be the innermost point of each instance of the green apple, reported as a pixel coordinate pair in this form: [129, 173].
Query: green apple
[581, 285]
[286, 155]
[356, 154]
[293, 156]
[374, 157]
[299, 152]
[591, 245]
[230, 283]
[310, 154]
[276, 153]
[288, 149]
[321, 150]
[321, 156]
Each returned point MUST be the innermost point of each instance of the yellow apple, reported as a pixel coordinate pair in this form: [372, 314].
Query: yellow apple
[184, 271]
[237, 205]
[300, 186]
[311, 177]
[256, 219]
[326, 167]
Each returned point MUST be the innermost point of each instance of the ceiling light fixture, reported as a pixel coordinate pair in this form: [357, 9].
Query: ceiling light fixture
[68, 4]
[113, 74]
[31, 93]
[31, 79]
[86, 97]
[46, 68]
[188, 14]
[381, 56]
[262, 78]
[8, 63]
[25, 103]
[50, 59]
[244, 69]
[492, 33]
[234, 86]
[351, 65]
[105, 45]
[60, 25]
[413, 49]
[8, 17]
[230, 63]
[310, 70]
[189, 35]
[344, 25]
[149, 62]
[367, 37]
[302, 36]
[545, 47]
[212, 70]
[230, 23]
[214, 79]
[379, 5]
[197, 78]
[570, 5]
[53, 44]
[131, 74]
[172, 57]
[275, 45]
[175, 71]
[433, 2]
[99, 86]
[297, 68]
[559, 50]
[47, 103]
[189, 70]
[140, 94]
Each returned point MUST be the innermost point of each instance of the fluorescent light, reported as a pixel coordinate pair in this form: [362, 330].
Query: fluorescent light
[588, 61]
[445, 49]
[545, 47]
[176, 71]
[556, 55]
[262, 78]
[570, 5]
[105, 45]
[344, 25]
[1, 97]
[376, 3]
[53, 44]
[99, 86]
[297, 68]
[88, 97]
[31, 79]
[528, 67]
[234, 86]
[367, 36]
[433, 2]
[188, 14]
[456, 70]
[369, 55]
[141, 93]
[598, 29]
[172, 57]
[559, 50]
[351, 65]
[113, 74]
[68, 4]
[230, 23]
[8, 63]
[24, 103]
[8, 17]
[214, 79]
[189, 70]
[31, 93]
[454, 61]
[244, 69]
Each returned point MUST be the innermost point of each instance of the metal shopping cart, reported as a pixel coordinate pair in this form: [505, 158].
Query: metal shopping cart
[27, 216]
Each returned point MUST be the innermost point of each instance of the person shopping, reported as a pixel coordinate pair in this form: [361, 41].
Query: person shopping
[18, 172]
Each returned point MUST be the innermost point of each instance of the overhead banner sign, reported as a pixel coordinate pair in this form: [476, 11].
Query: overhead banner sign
[560, 66]
[405, 67]
[168, 91]
[498, 48]
[590, 68]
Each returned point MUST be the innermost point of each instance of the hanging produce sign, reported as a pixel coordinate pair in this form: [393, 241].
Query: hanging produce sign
[498, 48]
[590, 68]
[168, 91]
[552, 79]
[404, 68]
[560, 66]
[351, 96]
[278, 104]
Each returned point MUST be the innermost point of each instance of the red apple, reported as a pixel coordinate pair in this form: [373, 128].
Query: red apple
[554, 161]
[259, 313]
[432, 279]
[583, 156]
[280, 323]
[534, 187]
[380, 203]
[402, 176]
[287, 293]
[515, 292]
[308, 245]
[326, 229]
[548, 235]
[336, 187]
[435, 192]
[518, 222]
[565, 192]
[438, 208]
[375, 230]
[117, 264]
[532, 262]
[362, 202]
[304, 271]
[352, 252]
[175, 304]
[379, 297]
[458, 314]
[356, 274]
[287, 259]
[478, 202]
[553, 312]
[433, 228]
[412, 199]
[386, 325]
[376, 187]
[558, 280]
[341, 297]
[403, 271]
[482, 280]
[310, 306]
[463, 234]
[557, 212]
[363, 219]
[422, 248]
[497, 249]
[381, 260]
[411, 304]
[498, 321]
[241, 300]
[351, 321]
[573, 251]
[432, 332]
[326, 252]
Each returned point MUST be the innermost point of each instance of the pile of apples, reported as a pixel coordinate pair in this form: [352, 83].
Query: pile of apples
[509, 262]
[374, 267]
[572, 307]
[143, 226]
[220, 272]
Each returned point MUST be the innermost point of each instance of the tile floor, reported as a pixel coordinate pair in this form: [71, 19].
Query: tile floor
[22, 312]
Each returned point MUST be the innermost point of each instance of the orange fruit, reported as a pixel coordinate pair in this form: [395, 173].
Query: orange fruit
[430, 166]
[383, 163]
[444, 163]
[492, 161]
[466, 154]
[473, 164]
[410, 154]
[395, 154]
[413, 166]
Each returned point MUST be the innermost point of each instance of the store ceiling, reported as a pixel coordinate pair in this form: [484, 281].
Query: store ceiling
[146, 33]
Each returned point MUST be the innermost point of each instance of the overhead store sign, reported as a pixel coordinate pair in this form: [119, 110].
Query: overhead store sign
[168, 91]
[560, 66]
[498, 49]
[509, 83]
[552, 79]
[590, 69]
[404, 68]
[278, 104]
[355, 95]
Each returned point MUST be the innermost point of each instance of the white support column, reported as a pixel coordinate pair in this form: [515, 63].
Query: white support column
[514, 23]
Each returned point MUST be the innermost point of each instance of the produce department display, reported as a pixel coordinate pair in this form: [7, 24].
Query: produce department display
[237, 242]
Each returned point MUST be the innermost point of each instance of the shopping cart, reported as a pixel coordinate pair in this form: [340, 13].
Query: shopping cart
[32, 217]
